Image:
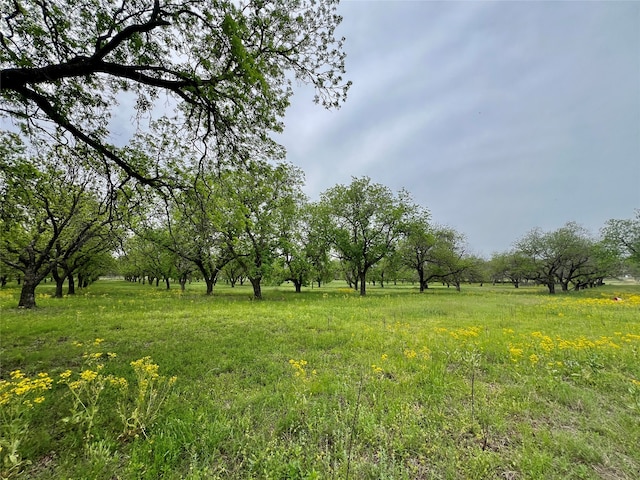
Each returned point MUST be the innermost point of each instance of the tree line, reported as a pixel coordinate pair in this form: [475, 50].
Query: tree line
[252, 221]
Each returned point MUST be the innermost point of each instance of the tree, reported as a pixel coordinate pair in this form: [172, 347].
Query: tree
[511, 265]
[234, 272]
[418, 244]
[88, 260]
[575, 247]
[50, 208]
[225, 67]
[266, 199]
[316, 244]
[304, 252]
[196, 224]
[449, 260]
[159, 260]
[366, 220]
[624, 237]
[561, 256]
[387, 269]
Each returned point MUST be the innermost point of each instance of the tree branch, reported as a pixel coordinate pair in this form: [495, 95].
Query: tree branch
[46, 106]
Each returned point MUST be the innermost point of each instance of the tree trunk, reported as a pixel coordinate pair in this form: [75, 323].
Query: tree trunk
[257, 290]
[72, 285]
[59, 282]
[363, 283]
[421, 279]
[552, 287]
[183, 281]
[210, 282]
[166, 280]
[298, 285]
[28, 292]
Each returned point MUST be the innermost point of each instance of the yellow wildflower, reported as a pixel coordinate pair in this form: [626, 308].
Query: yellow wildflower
[409, 353]
[515, 352]
[88, 375]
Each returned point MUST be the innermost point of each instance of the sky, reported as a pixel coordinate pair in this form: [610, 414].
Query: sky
[498, 117]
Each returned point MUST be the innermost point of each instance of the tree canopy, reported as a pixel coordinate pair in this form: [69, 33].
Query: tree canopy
[365, 221]
[223, 70]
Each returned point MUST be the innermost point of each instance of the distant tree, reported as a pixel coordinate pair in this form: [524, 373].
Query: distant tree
[478, 271]
[450, 262]
[575, 245]
[317, 244]
[417, 245]
[624, 237]
[226, 66]
[196, 224]
[560, 257]
[388, 269]
[266, 200]
[512, 265]
[160, 260]
[298, 249]
[88, 261]
[603, 262]
[366, 221]
[234, 272]
[7, 273]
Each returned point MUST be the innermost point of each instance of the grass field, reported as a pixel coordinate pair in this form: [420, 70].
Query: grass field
[491, 382]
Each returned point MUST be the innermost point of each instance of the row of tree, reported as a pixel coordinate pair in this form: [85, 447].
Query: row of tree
[252, 220]
[192, 192]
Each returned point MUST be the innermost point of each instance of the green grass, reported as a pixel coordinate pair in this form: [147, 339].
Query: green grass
[490, 382]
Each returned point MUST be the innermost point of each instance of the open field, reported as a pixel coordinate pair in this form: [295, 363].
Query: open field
[491, 382]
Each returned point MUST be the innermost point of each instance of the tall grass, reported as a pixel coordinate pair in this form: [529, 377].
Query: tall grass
[490, 382]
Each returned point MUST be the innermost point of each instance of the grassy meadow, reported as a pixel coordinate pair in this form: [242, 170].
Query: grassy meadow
[129, 381]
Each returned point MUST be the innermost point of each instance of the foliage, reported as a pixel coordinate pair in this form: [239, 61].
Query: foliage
[561, 256]
[513, 265]
[266, 201]
[365, 220]
[225, 67]
[623, 236]
[87, 388]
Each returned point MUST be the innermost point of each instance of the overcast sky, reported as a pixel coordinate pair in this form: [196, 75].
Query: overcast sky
[497, 116]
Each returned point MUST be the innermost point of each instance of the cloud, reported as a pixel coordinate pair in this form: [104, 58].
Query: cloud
[499, 117]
